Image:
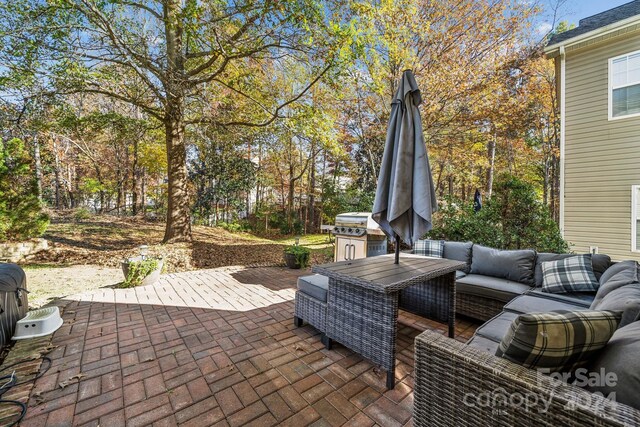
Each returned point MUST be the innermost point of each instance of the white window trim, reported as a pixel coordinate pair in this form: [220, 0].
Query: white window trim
[634, 215]
[610, 89]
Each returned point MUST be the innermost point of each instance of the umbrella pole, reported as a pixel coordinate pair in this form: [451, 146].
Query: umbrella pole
[397, 249]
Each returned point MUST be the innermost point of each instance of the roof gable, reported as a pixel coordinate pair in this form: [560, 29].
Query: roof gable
[600, 20]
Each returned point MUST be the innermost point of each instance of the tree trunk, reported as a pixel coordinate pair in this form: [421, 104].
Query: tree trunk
[291, 195]
[311, 227]
[38, 166]
[491, 152]
[56, 171]
[322, 178]
[135, 173]
[178, 227]
[545, 181]
[143, 199]
[119, 192]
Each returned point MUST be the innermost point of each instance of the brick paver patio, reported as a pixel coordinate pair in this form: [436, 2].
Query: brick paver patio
[213, 347]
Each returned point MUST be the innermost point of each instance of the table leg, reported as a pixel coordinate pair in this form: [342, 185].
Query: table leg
[366, 322]
[451, 278]
[391, 379]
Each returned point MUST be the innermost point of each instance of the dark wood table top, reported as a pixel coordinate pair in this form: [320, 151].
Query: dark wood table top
[379, 273]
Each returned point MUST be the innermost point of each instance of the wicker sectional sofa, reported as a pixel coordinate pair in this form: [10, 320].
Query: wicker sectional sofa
[494, 277]
[466, 384]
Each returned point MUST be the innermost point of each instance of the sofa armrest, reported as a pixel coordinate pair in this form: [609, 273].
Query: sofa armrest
[456, 384]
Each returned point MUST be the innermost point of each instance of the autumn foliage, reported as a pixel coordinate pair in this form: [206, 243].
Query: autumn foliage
[272, 114]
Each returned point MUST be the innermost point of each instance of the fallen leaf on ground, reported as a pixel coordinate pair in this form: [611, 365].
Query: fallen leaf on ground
[37, 397]
[48, 349]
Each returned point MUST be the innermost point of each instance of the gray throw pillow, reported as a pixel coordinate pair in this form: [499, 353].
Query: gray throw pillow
[623, 270]
[599, 262]
[618, 275]
[511, 265]
[620, 357]
[458, 251]
[625, 299]
[572, 274]
[432, 248]
[560, 341]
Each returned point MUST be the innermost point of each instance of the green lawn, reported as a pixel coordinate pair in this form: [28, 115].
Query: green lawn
[312, 241]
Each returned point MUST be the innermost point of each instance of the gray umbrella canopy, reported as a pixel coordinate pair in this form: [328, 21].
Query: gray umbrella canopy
[405, 197]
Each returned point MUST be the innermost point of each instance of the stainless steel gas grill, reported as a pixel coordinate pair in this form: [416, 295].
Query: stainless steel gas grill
[358, 236]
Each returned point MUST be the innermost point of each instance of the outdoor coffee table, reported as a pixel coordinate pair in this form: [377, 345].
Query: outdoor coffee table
[362, 302]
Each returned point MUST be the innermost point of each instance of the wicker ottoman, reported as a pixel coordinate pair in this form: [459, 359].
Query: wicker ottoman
[311, 303]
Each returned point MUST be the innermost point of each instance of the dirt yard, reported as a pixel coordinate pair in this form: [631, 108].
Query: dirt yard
[46, 283]
[106, 241]
[85, 255]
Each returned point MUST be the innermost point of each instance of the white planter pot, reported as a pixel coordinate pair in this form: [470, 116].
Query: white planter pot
[151, 277]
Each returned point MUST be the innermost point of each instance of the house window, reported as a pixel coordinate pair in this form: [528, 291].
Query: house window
[624, 85]
[635, 218]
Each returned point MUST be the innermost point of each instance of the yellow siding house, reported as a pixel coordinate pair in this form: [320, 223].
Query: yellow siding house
[598, 71]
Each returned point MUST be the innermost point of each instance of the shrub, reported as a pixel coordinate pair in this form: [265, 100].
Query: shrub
[300, 253]
[138, 270]
[81, 214]
[514, 218]
[21, 213]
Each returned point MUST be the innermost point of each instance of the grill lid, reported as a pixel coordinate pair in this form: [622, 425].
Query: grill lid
[356, 223]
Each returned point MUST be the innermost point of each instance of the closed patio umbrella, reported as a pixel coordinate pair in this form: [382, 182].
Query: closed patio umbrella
[405, 196]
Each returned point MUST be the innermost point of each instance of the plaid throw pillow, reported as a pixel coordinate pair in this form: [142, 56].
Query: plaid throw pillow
[560, 341]
[572, 274]
[433, 248]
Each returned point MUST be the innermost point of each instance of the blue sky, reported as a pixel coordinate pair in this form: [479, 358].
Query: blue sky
[572, 11]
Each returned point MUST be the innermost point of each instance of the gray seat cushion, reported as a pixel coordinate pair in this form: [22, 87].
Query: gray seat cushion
[460, 274]
[490, 287]
[517, 266]
[620, 356]
[599, 262]
[531, 303]
[576, 298]
[458, 251]
[496, 328]
[315, 285]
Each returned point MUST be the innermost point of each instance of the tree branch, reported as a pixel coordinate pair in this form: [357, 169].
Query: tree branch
[122, 47]
[151, 111]
[140, 6]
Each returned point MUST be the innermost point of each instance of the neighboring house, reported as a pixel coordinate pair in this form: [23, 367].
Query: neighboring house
[598, 69]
